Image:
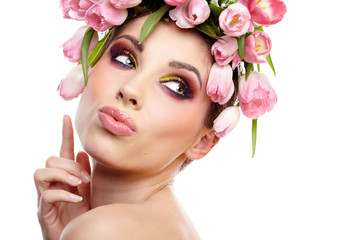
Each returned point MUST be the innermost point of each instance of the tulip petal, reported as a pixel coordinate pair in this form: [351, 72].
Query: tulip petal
[267, 12]
[72, 85]
[229, 94]
[256, 96]
[125, 3]
[219, 82]
[226, 121]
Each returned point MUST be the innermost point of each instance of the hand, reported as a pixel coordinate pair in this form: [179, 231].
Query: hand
[63, 187]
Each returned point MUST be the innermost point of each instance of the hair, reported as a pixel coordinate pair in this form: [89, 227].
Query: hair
[215, 108]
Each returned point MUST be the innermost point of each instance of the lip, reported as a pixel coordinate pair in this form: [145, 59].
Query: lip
[116, 121]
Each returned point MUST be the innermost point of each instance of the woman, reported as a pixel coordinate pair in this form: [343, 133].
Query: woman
[134, 165]
[144, 112]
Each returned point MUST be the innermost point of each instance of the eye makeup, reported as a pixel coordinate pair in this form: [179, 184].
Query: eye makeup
[123, 57]
[187, 67]
[177, 86]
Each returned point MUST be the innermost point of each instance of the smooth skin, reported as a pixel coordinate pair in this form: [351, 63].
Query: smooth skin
[130, 194]
[63, 187]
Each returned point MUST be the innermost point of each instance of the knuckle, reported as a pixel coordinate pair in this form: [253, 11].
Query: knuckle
[50, 161]
[45, 196]
[37, 174]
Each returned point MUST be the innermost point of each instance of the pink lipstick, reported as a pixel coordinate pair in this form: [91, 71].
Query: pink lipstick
[116, 121]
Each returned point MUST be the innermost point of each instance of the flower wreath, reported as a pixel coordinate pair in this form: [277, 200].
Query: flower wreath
[237, 26]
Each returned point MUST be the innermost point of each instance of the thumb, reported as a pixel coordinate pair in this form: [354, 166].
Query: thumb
[84, 189]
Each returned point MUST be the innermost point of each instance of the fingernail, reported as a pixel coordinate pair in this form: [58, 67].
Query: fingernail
[75, 197]
[85, 176]
[75, 180]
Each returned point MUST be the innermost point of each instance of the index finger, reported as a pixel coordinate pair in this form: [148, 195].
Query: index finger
[67, 144]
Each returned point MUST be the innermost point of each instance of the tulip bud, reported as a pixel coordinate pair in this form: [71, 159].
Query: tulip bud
[220, 86]
[224, 50]
[191, 14]
[256, 96]
[226, 121]
[235, 20]
[257, 47]
[73, 84]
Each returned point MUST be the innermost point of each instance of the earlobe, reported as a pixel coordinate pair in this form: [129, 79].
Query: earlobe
[203, 146]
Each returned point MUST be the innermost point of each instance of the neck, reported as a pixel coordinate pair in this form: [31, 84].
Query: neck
[110, 186]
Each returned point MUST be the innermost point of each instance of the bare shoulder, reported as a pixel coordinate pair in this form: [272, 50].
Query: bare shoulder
[151, 220]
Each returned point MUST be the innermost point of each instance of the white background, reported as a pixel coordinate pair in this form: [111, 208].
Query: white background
[304, 180]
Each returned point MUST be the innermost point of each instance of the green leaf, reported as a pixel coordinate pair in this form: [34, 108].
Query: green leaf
[151, 22]
[241, 46]
[258, 67]
[208, 30]
[140, 10]
[254, 133]
[215, 27]
[260, 28]
[98, 50]
[248, 68]
[226, 3]
[214, 2]
[215, 10]
[268, 58]
[84, 51]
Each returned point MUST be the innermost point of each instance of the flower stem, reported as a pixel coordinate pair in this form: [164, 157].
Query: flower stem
[254, 131]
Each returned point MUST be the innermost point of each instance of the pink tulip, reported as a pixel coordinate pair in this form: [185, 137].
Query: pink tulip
[176, 2]
[72, 47]
[257, 47]
[220, 86]
[256, 96]
[235, 20]
[224, 50]
[125, 3]
[73, 84]
[236, 61]
[266, 12]
[103, 15]
[226, 121]
[191, 14]
[75, 9]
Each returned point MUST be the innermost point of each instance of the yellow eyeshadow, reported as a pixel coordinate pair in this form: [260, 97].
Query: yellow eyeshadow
[171, 77]
[133, 58]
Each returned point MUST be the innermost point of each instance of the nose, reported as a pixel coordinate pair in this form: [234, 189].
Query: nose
[130, 94]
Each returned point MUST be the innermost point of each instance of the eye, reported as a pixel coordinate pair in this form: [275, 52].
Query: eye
[178, 87]
[123, 57]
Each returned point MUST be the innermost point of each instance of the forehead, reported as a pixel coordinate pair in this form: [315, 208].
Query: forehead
[169, 42]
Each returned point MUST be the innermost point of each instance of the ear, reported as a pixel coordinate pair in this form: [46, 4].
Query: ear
[203, 146]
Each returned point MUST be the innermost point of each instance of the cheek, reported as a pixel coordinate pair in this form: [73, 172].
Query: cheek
[100, 78]
[176, 124]
[92, 97]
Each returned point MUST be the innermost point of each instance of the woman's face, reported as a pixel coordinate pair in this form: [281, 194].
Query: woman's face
[159, 84]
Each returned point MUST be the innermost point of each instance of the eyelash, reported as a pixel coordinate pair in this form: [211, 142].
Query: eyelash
[119, 50]
[186, 87]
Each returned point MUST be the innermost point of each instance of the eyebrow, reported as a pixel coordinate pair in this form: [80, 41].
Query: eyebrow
[133, 40]
[182, 65]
